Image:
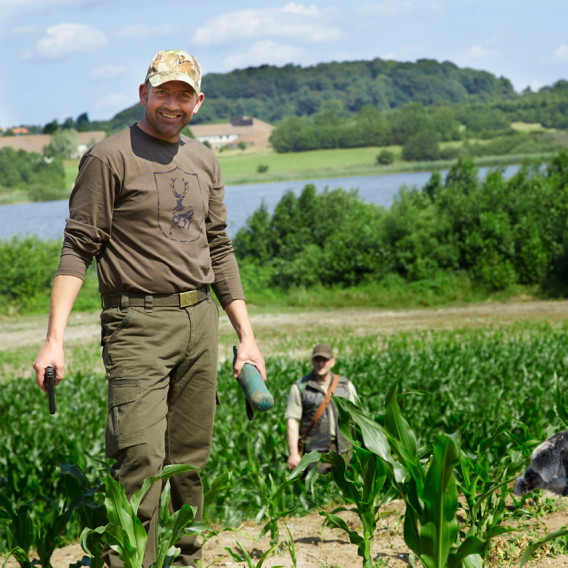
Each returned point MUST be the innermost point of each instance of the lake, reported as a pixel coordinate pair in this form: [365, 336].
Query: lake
[47, 219]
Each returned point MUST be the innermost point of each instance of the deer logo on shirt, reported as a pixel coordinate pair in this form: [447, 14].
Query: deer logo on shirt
[182, 205]
[182, 214]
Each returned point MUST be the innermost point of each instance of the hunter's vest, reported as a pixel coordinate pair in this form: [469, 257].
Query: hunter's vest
[312, 395]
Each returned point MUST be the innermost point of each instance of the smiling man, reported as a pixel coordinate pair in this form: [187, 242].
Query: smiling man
[148, 206]
[311, 416]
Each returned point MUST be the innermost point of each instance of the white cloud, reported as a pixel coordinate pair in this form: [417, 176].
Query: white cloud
[561, 54]
[481, 52]
[108, 71]
[66, 38]
[265, 52]
[294, 8]
[114, 101]
[143, 31]
[386, 9]
[293, 21]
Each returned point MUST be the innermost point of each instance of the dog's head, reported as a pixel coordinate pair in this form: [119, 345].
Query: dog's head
[529, 481]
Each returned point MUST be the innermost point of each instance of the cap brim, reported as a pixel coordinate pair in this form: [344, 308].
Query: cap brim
[160, 78]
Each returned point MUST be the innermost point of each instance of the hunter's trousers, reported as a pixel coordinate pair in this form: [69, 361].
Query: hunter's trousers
[161, 369]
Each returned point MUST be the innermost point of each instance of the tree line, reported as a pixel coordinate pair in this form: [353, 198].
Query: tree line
[418, 129]
[271, 93]
[494, 232]
[363, 103]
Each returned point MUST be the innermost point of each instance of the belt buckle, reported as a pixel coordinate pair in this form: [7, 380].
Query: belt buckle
[187, 298]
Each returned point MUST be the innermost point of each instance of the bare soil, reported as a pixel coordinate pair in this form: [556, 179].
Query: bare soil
[317, 546]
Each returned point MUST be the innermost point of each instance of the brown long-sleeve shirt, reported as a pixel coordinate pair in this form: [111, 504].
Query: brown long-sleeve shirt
[152, 215]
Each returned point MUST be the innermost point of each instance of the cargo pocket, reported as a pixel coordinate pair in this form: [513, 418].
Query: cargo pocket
[113, 321]
[124, 423]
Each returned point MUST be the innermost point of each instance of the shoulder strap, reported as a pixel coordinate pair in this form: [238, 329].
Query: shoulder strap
[325, 401]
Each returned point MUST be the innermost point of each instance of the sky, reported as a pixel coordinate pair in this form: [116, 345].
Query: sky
[63, 58]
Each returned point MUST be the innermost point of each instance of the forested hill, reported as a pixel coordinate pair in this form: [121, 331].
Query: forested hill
[270, 93]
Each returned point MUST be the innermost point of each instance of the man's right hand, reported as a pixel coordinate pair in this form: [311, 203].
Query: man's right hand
[49, 356]
[293, 461]
[63, 294]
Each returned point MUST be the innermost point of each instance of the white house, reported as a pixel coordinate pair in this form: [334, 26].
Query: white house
[251, 131]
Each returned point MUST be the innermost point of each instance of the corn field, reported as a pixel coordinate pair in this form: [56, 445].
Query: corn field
[445, 422]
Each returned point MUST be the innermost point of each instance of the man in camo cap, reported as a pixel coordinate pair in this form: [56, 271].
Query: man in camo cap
[148, 206]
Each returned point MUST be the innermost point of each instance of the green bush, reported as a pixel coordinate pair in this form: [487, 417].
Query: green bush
[21, 169]
[28, 267]
[499, 232]
[40, 192]
[385, 158]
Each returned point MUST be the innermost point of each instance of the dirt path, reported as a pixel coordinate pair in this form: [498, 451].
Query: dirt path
[269, 328]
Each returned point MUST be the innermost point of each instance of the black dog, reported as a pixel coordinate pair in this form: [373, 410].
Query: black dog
[548, 467]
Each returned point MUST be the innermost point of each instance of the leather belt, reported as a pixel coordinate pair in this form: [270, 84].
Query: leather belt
[178, 300]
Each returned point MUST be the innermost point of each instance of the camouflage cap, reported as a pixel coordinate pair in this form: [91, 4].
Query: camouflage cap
[174, 65]
[322, 350]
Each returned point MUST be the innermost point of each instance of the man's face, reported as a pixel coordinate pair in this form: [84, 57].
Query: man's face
[322, 366]
[168, 109]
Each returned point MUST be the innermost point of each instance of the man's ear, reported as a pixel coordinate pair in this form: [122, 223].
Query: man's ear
[198, 102]
[143, 94]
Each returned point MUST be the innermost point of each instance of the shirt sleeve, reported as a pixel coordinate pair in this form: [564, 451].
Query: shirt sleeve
[90, 216]
[227, 285]
[294, 406]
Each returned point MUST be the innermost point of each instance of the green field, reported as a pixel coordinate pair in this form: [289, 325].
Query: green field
[493, 388]
[241, 167]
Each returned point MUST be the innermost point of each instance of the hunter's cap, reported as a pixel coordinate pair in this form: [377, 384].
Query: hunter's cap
[322, 350]
[174, 65]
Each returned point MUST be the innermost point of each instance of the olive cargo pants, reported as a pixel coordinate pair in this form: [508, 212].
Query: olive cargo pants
[161, 368]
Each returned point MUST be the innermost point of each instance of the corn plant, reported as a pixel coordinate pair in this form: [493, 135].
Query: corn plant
[532, 548]
[431, 528]
[362, 480]
[22, 530]
[426, 481]
[271, 496]
[125, 534]
[485, 488]
[291, 547]
[246, 557]
[362, 484]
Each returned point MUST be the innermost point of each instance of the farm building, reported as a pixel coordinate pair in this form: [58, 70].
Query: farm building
[251, 131]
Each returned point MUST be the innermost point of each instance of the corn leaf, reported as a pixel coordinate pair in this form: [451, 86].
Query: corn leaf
[439, 525]
[374, 437]
[531, 549]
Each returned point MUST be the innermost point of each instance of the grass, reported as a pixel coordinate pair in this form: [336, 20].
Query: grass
[241, 167]
[70, 167]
